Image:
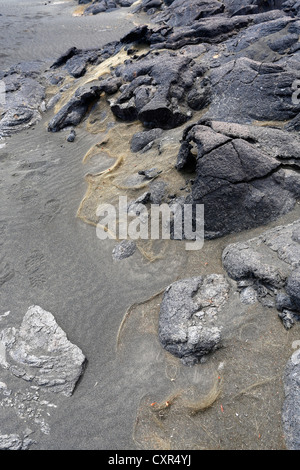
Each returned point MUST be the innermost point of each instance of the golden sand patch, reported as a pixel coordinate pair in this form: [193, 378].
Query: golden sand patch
[80, 9]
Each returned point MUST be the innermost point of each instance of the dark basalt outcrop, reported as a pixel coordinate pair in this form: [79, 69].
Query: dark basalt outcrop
[244, 91]
[269, 264]
[162, 89]
[76, 61]
[239, 64]
[72, 113]
[187, 13]
[240, 172]
[100, 6]
[156, 89]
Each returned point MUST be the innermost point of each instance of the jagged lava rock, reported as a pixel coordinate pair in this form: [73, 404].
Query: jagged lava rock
[39, 352]
[244, 90]
[73, 112]
[14, 442]
[240, 171]
[270, 264]
[155, 89]
[23, 101]
[188, 326]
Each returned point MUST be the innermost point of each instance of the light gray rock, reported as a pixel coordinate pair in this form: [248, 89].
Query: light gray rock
[248, 295]
[40, 352]
[291, 406]
[269, 265]
[14, 442]
[188, 326]
[23, 104]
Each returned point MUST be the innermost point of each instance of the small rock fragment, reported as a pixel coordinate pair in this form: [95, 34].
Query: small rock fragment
[123, 250]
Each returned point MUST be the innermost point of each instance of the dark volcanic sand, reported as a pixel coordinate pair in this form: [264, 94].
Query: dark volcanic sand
[42, 30]
[57, 262]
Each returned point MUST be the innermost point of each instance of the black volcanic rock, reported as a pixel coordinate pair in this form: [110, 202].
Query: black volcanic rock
[157, 90]
[186, 13]
[244, 90]
[100, 6]
[240, 171]
[72, 113]
[141, 139]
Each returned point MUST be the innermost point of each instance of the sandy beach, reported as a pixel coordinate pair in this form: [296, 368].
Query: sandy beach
[43, 30]
[52, 258]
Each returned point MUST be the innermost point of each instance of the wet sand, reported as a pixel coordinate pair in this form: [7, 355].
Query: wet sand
[51, 258]
[43, 30]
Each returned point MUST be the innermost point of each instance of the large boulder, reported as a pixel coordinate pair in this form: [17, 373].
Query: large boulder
[24, 97]
[188, 326]
[187, 12]
[269, 265]
[239, 172]
[244, 91]
[156, 89]
[40, 352]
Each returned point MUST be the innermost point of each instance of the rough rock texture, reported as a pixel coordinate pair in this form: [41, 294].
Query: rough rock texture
[269, 264]
[240, 170]
[14, 442]
[188, 317]
[231, 70]
[184, 14]
[291, 406]
[244, 90]
[39, 352]
[22, 100]
[72, 113]
[100, 6]
[24, 97]
[235, 7]
[141, 140]
[224, 63]
[76, 61]
[211, 30]
[123, 250]
[156, 89]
